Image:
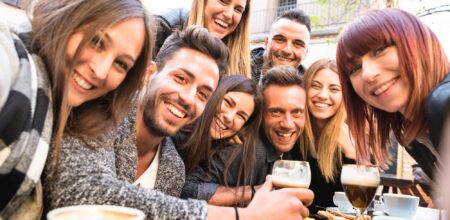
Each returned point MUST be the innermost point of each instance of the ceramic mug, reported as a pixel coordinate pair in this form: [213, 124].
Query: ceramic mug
[398, 205]
[98, 212]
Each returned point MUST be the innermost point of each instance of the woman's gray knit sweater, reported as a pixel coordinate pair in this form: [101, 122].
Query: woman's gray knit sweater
[93, 172]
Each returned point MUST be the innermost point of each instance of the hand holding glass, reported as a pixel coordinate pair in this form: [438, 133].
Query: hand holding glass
[291, 174]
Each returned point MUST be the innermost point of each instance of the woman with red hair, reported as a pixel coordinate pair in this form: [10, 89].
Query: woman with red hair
[394, 75]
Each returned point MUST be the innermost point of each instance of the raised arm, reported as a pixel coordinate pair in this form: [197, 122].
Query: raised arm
[202, 185]
[210, 184]
[267, 204]
[26, 121]
[90, 175]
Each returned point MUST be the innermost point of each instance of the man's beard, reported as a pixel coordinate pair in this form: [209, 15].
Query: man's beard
[153, 126]
[150, 122]
[271, 56]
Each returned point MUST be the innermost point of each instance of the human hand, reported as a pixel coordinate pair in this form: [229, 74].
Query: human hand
[236, 140]
[287, 203]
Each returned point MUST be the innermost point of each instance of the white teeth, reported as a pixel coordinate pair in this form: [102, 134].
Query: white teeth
[321, 105]
[175, 111]
[221, 23]
[221, 125]
[283, 58]
[284, 134]
[81, 82]
[384, 87]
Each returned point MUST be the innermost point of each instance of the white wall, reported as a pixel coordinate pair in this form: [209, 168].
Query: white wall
[320, 48]
[438, 22]
[157, 5]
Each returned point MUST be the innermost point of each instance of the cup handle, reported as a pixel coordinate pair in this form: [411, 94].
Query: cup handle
[334, 200]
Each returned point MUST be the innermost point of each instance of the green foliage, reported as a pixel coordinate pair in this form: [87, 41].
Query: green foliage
[335, 13]
[315, 20]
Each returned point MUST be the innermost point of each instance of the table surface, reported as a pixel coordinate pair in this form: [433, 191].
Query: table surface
[423, 213]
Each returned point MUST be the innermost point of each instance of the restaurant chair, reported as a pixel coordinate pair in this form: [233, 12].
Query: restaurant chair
[405, 185]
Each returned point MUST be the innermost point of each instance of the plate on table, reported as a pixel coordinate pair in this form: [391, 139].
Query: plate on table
[384, 217]
[348, 212]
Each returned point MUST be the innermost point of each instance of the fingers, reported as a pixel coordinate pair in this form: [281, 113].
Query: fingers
[236, 140]
[304, 195]
[296, 205]
[267, 186]
[257, 187]
[304, 211]
[232, 141]
[289, 201]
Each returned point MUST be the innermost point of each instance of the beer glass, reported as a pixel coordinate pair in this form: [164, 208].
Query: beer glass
[360, 184]
[291, 174]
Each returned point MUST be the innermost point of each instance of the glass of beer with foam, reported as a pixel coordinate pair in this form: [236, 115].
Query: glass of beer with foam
[291, 174]
[360, 183]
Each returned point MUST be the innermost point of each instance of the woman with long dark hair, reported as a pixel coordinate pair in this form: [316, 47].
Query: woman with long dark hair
[233, 113]
[72, 69]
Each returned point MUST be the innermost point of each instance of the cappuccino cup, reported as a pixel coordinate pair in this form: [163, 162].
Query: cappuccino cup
[342, 202]
[398, 205]
[95, 212]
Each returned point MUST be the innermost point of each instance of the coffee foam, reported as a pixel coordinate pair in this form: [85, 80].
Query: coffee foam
[367, 179]
[288, 182]
[95, 212]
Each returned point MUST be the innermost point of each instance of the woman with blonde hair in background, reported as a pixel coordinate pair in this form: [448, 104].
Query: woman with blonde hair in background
[326, 143]
[228, 20]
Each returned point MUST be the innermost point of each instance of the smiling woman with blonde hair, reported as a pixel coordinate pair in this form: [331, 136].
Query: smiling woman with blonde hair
[228, 20]
[326, 143]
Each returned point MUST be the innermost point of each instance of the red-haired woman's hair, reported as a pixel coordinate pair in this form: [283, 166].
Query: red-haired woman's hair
[422, 62]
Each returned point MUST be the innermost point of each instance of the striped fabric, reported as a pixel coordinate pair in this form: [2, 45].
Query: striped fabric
[26, 119]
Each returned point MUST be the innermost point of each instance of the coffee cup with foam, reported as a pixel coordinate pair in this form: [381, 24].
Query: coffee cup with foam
[97, 212]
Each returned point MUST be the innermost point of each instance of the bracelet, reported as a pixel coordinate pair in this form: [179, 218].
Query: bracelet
[253, 191]
[236, 213]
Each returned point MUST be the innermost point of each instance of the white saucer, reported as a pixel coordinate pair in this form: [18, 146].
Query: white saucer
[348, 212]
[375, 213]
[381, 217]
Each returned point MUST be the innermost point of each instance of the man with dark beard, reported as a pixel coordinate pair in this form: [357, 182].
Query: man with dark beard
[142, 169]
[287, 44]
[181, 81]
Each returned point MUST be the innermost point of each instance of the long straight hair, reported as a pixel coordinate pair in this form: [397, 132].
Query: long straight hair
[324, 145]
[53, 23]
[238, 41]
[200, 151]
[422, 62]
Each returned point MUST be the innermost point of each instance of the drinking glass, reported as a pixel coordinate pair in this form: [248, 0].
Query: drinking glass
[291, 174]
[360, 183]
